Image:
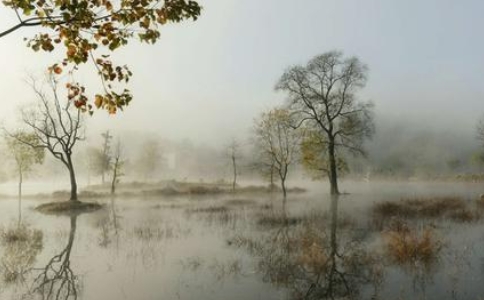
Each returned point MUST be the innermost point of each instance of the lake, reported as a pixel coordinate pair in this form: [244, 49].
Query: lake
[242, 247]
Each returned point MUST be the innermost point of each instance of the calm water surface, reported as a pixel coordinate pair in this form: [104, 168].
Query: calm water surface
[238, 247]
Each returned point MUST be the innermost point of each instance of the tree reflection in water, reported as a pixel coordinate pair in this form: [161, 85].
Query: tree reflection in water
[313, 263]
[109, 226]
[57, 280]
[21, 247]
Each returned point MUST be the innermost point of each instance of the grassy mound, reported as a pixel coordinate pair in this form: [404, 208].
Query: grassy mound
[453, 208]
[68, 207]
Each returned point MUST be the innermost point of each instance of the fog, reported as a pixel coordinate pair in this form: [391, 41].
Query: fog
[207, 80]
[221, 180]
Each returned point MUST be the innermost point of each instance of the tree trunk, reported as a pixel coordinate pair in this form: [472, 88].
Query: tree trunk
[113, 184]
[333, 245]
[284, 211]
[283, 186]
[333, 176]
[20, 196]
[272, 178]
[72, 176]
[234, 165]
[115, 173]
[283, 176]
[334, 223]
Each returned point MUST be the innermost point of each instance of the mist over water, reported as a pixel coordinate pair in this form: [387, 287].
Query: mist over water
[242, 247]
[273, 149]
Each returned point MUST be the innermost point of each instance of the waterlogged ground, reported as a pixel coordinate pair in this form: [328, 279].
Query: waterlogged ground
[246, 247]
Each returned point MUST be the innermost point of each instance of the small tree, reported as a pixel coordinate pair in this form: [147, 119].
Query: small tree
[25, 158]
[105, 157]
[57, 128]
[322, 94]
[278, 142]
[233, 152]
[117, 166]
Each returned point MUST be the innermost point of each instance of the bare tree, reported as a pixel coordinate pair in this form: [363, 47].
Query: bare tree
[105, 158]
[57, 125]
[117, 166]
[233, 151]
[277, 142]
[322, 94]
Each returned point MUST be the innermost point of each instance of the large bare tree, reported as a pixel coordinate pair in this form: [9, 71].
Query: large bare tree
[58, 126]
[322, 95]
[277, 142]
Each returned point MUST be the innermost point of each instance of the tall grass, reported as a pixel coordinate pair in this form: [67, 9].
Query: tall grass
[410, 246]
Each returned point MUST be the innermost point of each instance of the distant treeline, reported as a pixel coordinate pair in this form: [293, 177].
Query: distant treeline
[396, 152]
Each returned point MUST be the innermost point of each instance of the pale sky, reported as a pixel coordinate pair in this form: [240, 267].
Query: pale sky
[209, 79]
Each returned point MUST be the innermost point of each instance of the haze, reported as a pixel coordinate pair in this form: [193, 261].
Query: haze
[207, 80]
[274, 149]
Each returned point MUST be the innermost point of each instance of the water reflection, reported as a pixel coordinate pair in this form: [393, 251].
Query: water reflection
[109, 226]
[313, 260]
[306, 250]
[346, 267]
[21, 247]
[57, 280]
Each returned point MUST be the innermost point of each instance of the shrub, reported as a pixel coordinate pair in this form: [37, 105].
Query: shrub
[407, 246]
